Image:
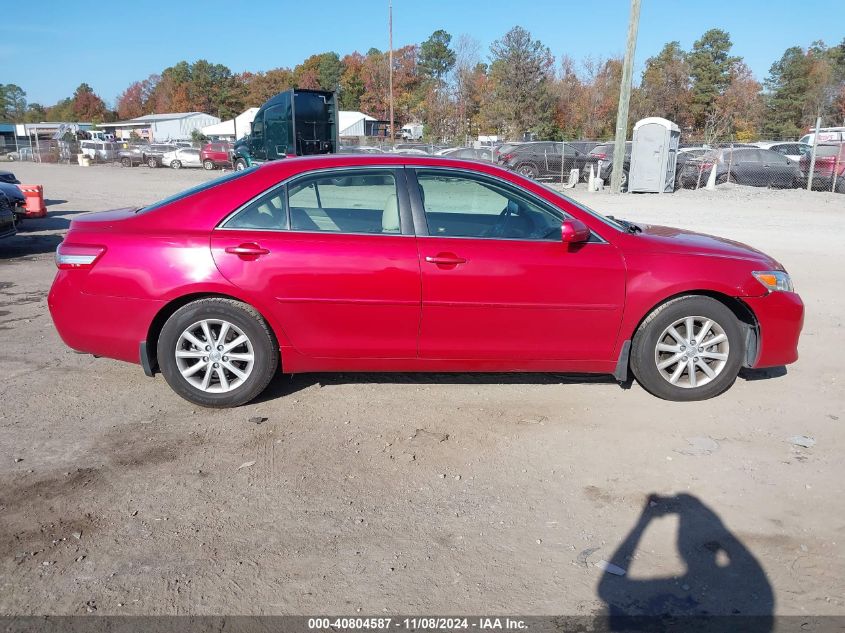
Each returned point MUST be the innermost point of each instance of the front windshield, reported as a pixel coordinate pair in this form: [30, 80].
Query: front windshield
[196, 189]
[598, 216]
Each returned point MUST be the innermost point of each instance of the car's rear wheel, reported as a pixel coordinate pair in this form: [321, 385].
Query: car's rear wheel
[240, 164]
[126, 162]
[176, 164]
[690, 348]
[217, 352]
[208, 165]
[528, 170]
[152, 162]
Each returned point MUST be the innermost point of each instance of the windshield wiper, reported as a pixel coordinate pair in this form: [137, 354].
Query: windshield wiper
[628, 226]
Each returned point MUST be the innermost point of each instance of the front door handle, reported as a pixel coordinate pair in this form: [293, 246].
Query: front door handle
[248, 250]
[445, 259]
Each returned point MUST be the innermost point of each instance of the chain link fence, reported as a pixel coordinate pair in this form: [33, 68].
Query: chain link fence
[784, 164]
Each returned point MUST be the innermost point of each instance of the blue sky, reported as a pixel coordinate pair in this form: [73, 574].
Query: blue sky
[50, 47]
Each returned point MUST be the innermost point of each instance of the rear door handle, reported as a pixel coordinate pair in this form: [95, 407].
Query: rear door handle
[247, 250]
[446, 260]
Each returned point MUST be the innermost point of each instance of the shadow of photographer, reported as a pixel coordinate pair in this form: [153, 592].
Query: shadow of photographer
[722, 578]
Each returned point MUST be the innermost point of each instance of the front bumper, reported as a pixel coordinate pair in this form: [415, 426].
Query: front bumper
[780, 317]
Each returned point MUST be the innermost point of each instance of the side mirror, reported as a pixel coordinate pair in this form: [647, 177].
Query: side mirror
[574, 231]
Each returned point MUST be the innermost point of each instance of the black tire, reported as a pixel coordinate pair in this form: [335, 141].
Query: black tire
[208, 165]
[243, 316]
[528, 170]
[176, 164]
[240, 164]
[644, 345]
[840, 184]
[624, 179]
[126, 162]
[152, 163]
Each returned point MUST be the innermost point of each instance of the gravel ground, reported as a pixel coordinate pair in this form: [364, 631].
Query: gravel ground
[421, 493]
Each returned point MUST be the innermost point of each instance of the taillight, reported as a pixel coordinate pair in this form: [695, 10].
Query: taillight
[70, 256]
[505, 157]
[600, 156]
[703, 166]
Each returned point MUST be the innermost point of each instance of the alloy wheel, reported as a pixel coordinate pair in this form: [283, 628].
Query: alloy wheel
[692, 352]
[214, 356]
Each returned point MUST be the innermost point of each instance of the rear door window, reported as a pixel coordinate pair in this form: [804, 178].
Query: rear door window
[354, 201]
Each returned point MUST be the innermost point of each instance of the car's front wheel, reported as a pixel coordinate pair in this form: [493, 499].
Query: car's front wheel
[152, 163]
[690, 348]
[208, 165]
[126, 162]
[217, 352]
[176, 164]
[240, 164]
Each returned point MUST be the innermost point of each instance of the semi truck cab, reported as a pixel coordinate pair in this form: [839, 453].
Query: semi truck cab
[292, 123]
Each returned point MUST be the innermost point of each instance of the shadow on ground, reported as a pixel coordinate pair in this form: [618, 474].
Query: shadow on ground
[722, 578]
[286, 384]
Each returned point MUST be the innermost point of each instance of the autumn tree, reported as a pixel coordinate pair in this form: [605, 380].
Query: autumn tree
[802, 85]
[35, 113]
[600, 96]
[86, 105]
[259, 87]
[12, 102]
[710, 65]
[436, 58]
[739, 109]
[351, 82]
[521, 74]
[135, 101]
[665, 87]
[469, 85]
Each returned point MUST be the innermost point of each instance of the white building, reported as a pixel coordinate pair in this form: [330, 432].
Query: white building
[352, 123]
[232, 129]
[173, 126]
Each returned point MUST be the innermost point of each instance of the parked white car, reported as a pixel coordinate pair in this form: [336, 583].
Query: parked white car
[793, 150]
[182, 157]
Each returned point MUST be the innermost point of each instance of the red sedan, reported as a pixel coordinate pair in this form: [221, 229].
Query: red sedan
[402, 263]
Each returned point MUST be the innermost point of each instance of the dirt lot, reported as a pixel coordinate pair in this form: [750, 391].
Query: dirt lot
[420, 494]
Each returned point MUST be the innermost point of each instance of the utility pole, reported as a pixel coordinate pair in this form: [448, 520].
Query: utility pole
[624, 99]
[813, 155]
[390, 70]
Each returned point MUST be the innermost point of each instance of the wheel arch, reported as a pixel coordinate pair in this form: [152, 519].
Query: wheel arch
[148, 347]
[744, 314]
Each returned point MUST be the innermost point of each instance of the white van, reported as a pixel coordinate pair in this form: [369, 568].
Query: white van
[826, 135]
[97, 135]
[99, 150]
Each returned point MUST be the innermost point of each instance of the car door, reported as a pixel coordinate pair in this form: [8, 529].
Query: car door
[778, 167]
[192, 157]
[497, 281]
[746, 166]
[333, 252]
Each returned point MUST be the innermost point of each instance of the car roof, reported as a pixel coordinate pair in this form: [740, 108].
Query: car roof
[291, 166]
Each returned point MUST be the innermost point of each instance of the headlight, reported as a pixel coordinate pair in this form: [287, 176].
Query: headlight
[774, 280]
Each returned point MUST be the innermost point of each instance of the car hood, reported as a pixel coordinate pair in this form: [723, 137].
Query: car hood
[672, 240]
[12, 191]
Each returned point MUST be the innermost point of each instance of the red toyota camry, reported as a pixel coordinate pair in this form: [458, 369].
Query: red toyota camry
[401, 263]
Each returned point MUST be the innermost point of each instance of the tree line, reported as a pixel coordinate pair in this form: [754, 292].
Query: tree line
[517, 87]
